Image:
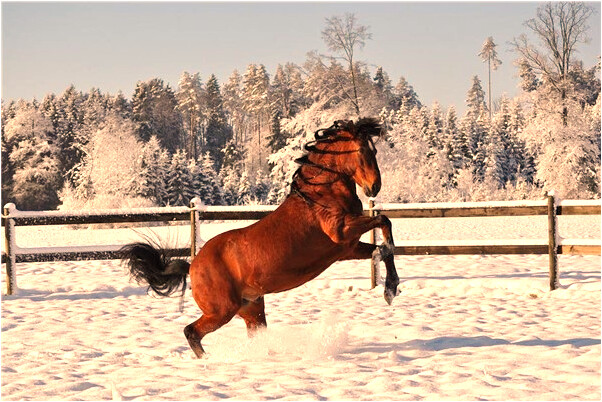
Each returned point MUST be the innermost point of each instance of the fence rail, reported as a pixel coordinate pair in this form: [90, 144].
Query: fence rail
[12, 254]
[549, 206]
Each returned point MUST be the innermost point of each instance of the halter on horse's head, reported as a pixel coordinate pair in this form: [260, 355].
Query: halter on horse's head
[343, 151]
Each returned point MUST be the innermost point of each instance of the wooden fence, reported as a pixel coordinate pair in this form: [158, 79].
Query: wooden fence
[552, 245]
[12, 254]
[12, 217]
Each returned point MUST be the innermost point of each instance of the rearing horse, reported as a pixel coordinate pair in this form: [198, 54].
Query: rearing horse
[320, 222]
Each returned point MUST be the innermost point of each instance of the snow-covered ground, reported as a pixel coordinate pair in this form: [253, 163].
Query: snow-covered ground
[463, 328]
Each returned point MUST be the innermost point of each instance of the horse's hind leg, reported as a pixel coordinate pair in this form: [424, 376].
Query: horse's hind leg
[253, 312]
[207, 323]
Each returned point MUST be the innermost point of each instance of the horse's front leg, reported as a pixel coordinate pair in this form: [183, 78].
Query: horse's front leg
[353, 227]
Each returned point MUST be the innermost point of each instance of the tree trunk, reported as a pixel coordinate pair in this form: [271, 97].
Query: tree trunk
[490, 106]
[356, 101]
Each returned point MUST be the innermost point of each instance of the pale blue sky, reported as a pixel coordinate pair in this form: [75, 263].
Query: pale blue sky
[48, 46]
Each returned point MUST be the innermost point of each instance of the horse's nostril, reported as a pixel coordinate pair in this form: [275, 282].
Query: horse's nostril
[375, 189]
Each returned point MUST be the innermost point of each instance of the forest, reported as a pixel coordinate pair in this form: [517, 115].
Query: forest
[234, 143]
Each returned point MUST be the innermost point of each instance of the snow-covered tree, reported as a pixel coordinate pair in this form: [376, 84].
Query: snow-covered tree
[489, 54]
[209, 188]
[190, 103]
[32, 160]
[154, 111]
[232, 96]
[567, 156]
[405, 96]
[150, 181]
[475, 100]
[257, 106]
[230, 179]
[282, 94]
[180, 183]
[344, 35]
[529, 81]
[456, 143]
[217, 132]
[244, 190]
[70, 136]
[560, 27]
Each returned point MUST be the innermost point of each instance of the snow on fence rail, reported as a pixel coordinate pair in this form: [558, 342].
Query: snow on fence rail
[12, 254]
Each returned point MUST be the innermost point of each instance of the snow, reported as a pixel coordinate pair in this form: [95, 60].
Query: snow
[463, 328]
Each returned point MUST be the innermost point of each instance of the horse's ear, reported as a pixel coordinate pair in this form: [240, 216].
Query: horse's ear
[350, 127]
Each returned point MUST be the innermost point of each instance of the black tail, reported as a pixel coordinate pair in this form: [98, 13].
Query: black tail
[154, 266]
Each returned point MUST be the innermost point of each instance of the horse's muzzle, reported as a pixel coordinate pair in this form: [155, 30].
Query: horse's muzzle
[372, 191]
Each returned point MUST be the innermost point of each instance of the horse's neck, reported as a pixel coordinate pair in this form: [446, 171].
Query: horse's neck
[333, 190]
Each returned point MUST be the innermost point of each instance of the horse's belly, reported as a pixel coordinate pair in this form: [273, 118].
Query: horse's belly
[302, 263]
[282, 251]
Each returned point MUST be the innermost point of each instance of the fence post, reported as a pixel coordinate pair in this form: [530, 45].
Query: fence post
[552, 243]
[373, 263]
[9, 247]
[195, 233]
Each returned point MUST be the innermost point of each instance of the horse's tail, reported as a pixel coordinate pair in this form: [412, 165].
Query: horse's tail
[154, 266]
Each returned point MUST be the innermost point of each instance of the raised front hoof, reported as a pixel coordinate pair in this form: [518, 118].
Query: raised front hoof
[390, 293]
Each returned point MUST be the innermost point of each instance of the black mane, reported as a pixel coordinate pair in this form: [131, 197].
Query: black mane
[366, 128]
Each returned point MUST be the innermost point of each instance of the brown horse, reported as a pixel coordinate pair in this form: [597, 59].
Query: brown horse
[320, 222]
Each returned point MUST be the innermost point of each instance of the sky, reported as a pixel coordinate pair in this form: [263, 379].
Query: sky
[112, 45]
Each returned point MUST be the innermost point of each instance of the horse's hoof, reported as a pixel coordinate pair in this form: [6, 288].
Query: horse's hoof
[390, 294]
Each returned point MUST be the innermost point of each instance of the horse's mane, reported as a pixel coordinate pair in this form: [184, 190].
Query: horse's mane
[366, 128]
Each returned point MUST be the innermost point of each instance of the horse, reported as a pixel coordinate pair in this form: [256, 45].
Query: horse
[319, 222]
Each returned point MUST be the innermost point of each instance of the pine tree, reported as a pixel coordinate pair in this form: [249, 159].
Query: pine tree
[475, 100]
[434, 132]
[179, 181]
[529, 81]
[154, 110]
[276, 139]
[256, 105]
[476, 130]
[190, 104]
[281, 93]
[151, 178]
[457, 146]
[384, 87]
[209, 186]
[244, 189]
[94, 110]
[218, 133]
[232, 156]
[230, 180]
[70, 139]
[232, 95]
[262, 187]
[489, 54]
[405, 96]
[120, 105]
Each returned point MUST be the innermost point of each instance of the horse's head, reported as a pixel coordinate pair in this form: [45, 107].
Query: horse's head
[347, 148]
